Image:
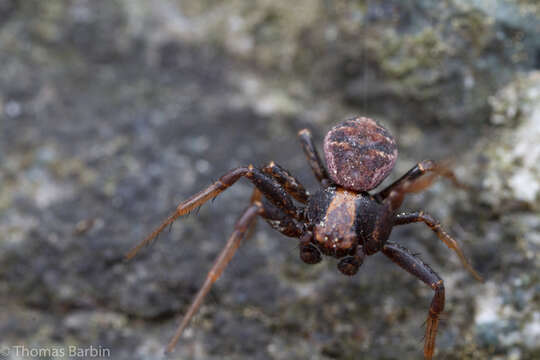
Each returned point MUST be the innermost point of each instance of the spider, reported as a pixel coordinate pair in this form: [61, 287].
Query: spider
[342, 219]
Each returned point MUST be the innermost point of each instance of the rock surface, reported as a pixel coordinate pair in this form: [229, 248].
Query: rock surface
[508, 309]
[113, 112]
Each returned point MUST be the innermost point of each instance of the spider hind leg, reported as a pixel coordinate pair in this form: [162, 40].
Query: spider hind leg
[417, 179]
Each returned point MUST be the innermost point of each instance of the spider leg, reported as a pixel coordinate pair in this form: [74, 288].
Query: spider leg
[419, 178]
[288, 181]
[269, 187]
[276, 218]
[435, 226]
[312, 155]
[414, 265]
[282, 222]
[242, 225]
[256, 195]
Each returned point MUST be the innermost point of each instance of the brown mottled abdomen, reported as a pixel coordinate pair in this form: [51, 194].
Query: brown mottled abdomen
[359, 153]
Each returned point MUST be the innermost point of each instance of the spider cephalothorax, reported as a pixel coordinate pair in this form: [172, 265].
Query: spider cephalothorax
[341, 219]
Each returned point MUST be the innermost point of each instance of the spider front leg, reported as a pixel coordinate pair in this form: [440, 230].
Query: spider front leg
[282, 222]
[288, 181]
[313, 156]
[408, 261]
[419, 178]
[435, 226]
[242, 225]
[275, 217]
[272, 190]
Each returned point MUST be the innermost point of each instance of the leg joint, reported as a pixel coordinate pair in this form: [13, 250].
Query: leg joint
[232, 176]
[438, 286]
[437, 304]
[426, 165]
[429, 220]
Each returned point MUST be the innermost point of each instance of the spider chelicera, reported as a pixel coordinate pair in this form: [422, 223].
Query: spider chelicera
[341, 219]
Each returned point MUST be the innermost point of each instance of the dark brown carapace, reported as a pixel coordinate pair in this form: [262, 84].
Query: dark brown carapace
[341, 219]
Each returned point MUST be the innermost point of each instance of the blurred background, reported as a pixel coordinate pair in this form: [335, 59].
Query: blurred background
[112, 112]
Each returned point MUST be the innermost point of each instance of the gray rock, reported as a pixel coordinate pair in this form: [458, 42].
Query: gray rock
[113, 112]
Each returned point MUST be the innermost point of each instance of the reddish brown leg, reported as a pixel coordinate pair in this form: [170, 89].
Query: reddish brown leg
[419, 178]
[266, 185]
[282, 222]
[435, 226]
[276, 218]
[256, 195]
[289, 182]
[312, 155]
[408, 261]
[242, 225]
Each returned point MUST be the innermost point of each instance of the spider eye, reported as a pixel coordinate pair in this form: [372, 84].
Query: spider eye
[310, 254]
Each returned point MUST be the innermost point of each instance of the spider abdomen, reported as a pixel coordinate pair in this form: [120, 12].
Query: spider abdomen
[359, 153]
